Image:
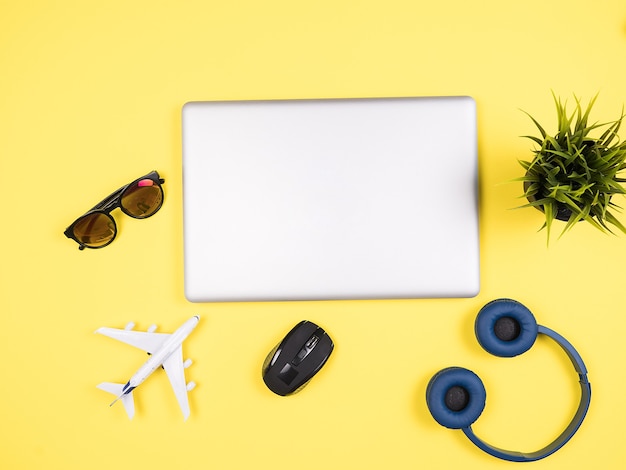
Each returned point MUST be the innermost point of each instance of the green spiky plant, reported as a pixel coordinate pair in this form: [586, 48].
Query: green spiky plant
[573, 175]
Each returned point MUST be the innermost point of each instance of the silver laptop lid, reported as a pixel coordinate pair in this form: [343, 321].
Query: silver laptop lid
[330, 199]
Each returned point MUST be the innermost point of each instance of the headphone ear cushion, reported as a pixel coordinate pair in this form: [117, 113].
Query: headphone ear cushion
[455, 397]
[505, 328]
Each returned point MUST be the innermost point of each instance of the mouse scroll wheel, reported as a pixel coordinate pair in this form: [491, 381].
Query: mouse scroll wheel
[304, 352]
[310, 344]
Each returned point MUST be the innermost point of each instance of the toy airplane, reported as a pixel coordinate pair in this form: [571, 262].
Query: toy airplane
[165, 350]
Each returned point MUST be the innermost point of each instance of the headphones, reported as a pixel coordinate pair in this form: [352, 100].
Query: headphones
[456, 396]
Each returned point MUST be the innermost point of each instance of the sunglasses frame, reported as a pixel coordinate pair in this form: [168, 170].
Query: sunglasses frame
[111, 202]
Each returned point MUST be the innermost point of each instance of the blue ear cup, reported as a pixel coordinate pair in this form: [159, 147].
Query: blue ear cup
[505, 328]
[456, 396]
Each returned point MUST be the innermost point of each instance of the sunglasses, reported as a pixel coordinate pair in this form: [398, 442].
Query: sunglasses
[139, 199]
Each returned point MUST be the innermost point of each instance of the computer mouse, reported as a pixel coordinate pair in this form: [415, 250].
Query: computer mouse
[297, 358]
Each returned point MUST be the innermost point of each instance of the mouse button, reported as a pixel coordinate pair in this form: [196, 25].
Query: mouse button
[325, 343]
[300, 356]
[297, 338]
[296, 331]
[300, 332]
[304, 330]
[323, 350]
[306, 350]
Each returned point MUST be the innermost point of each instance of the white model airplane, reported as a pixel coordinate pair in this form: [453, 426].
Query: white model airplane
[165, 350]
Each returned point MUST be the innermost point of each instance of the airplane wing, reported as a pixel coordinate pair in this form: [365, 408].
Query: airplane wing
[175, 370]
[148, 342]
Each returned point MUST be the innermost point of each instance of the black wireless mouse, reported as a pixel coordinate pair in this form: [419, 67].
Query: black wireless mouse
[299, 356]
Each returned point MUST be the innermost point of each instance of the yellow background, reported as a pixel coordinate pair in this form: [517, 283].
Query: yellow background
[90, 98]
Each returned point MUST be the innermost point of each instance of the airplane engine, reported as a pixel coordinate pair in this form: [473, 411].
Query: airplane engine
[129, 326]
[152, 329]
[190, 386]
[187, 363]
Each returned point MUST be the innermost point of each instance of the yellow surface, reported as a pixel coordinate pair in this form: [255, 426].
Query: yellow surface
[90, 98]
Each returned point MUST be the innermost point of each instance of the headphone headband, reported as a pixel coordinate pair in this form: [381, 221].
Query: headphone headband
[456, 396]
[572, 427]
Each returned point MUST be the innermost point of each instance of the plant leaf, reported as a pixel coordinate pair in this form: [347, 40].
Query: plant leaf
[613, 220]
[543, 132]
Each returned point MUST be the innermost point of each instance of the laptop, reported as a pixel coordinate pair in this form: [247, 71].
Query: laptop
[330, 199]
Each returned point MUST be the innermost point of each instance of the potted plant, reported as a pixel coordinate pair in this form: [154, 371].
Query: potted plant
[574, 175]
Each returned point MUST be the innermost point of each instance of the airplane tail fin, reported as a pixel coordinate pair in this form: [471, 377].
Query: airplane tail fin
[117, 390]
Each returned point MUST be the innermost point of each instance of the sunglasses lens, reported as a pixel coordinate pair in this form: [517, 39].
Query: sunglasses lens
[142, 199]
[95, 230]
